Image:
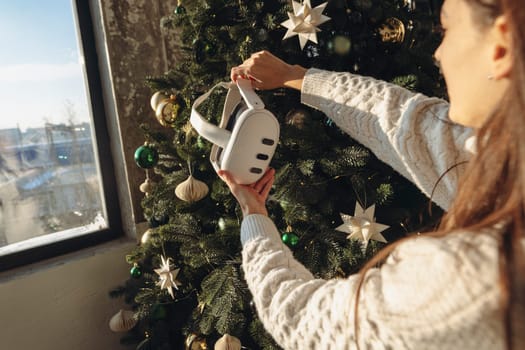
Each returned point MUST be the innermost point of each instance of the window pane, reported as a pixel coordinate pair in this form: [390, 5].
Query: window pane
[50, 183]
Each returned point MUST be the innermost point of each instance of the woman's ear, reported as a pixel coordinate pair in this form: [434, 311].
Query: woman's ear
[502, 52]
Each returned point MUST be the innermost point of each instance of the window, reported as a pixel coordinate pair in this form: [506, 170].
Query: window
[57, 192]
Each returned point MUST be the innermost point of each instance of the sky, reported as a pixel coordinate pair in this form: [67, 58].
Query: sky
[40, 70]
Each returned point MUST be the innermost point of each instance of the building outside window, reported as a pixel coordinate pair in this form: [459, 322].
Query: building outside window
[57, 191]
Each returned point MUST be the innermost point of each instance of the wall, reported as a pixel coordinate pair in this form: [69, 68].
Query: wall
[63, 304]
[136, 48]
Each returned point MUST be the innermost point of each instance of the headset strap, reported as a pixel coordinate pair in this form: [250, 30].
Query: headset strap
[252, 100]
[218, 135]
[210, 132]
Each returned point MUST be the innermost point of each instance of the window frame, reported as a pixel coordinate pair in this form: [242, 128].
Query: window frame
[94, 90]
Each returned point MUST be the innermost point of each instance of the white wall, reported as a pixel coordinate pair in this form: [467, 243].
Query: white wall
[64, 305]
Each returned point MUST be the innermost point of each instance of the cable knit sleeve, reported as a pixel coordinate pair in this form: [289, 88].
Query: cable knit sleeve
[430, 294]
[410, 132]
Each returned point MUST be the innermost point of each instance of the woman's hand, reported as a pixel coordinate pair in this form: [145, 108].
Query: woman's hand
[267, 72]
[252, 198]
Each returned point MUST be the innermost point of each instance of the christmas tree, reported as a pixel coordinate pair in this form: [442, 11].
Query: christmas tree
[186, 288]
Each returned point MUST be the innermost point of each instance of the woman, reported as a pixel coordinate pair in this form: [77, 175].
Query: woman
[459, 288]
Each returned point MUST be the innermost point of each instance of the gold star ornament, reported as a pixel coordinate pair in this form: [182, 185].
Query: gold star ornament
[304, 21]
[362, 225]
[167, 277]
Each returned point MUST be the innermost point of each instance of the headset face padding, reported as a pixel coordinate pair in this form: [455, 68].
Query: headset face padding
[246, 141]
[239, 109]
[234, 116]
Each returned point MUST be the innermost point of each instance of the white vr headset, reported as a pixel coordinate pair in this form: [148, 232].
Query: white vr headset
[246, 138]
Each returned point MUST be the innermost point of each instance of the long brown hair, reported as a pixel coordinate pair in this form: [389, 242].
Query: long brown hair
[492, 189]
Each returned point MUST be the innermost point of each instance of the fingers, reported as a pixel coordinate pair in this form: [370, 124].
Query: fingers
[261, 188]
[238, 72]
[251, 198]
[246, 70]
[261, 183]
[228, 179]
[265, 191]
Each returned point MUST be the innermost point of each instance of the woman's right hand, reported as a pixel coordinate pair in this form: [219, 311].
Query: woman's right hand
[251, 198]
[267, 72]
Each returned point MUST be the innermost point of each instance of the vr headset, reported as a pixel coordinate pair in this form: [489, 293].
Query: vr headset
[245, 140]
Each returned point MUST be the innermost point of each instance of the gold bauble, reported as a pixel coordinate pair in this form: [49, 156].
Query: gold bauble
[167, 112]
[392, 30]
[297, 118]
[228, 342]
[122, 321]
[157, 98]
[195, 342]
[191, 190]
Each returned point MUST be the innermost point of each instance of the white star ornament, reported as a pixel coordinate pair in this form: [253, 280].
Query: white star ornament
[167, 277]
[362, 225]
[304, 21]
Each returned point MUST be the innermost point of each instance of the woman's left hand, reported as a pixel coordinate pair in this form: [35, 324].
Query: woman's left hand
[251, 198]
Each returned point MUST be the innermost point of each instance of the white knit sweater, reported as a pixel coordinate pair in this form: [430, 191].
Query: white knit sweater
[431, 293]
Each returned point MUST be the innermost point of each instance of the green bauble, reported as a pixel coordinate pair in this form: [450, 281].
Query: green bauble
[135, 271]
[180, 10]
[146, 157]
[290, 238]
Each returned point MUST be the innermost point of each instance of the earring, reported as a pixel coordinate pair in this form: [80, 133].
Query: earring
[490, 77]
